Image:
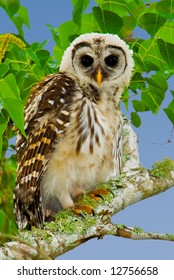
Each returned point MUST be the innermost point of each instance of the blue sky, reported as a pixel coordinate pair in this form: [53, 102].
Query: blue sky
[154, 214]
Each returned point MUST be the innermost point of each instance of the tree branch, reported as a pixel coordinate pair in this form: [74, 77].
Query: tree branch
[69, 230]
[138, 234]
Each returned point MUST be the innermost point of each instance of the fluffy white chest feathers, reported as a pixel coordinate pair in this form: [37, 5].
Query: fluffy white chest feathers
[91, 130]
[85, 157]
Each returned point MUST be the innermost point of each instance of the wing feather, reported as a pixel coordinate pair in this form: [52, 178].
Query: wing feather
[45, 119]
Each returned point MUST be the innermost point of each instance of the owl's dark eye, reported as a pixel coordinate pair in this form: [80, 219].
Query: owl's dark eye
[86, 60]
[111, 60]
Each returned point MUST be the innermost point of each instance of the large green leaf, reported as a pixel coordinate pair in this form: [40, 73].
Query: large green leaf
[79, 7]
[10, 97]
[151, 22]
[18, 14]
[10, 6]
[114, 6]
[166, 8]
[167, 32]
[20, 19]
[109, 22]
[150, 56]
[63, 36]
[167, 52]
[89, 24]
[66, 30]
[124, 8]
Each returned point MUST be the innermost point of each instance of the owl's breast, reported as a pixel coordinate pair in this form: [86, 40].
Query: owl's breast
[86, 155]
[92, 129]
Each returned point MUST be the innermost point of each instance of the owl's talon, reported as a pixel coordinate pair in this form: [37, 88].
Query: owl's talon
[79, 209]
[96, 194]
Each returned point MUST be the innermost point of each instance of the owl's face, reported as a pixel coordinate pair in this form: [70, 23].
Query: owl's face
[101, 60]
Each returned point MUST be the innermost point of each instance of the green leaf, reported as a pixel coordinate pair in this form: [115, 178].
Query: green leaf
[18, 14]
[55, 33]
[33, 57]
[124, 8]
[20, 19]
[119, 6]
[172, 93]
[52, 65]
[58, 53]
[166, 8]
[138, 105]
[170, 112]
[26, 85]
[89, 24]
[15, 110]
[9, 94]
[151, 22]
[10, 6]
[158, 82]
[16, 58]
[167, 32]
[4, 68]
[38, 46]
[150, 56]
[63, 37]
[79, 7]
[37, 71]
[135, 119]
[23, 14]
[43, 56]
[167, 52]
[109, 22]
[137, 82]
[3, 121]
[155, 93]
[66, 30]
[20, 77]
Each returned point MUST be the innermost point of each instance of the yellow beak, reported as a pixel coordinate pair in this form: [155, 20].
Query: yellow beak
[99, 75]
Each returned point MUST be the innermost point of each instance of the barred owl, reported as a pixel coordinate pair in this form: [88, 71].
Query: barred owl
[73, 125]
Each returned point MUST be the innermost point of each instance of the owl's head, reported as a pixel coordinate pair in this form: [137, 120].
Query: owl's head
[100, 60]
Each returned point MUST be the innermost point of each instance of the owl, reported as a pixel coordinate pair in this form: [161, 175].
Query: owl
[73, 125]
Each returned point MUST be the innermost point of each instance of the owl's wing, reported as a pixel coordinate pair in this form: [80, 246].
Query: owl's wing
[46, 119]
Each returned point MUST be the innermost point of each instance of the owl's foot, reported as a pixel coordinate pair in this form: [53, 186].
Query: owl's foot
[79, 209]
[99, 193]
